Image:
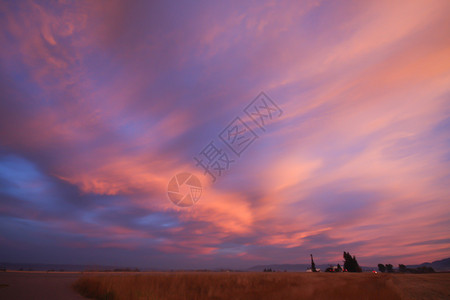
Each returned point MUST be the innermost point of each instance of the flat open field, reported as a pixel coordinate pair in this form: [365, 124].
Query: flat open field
[38, 285]
[248, 286]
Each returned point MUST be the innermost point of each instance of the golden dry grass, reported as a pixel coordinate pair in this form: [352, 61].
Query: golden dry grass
[248, 286]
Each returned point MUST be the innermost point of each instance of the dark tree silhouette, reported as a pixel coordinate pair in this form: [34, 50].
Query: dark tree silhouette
[350, 263]
[313, 265]
[423, 269]
[382, 268]
[389, 268]
[339, 268]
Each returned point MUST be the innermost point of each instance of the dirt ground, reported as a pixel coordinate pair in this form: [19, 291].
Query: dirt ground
[38, 285]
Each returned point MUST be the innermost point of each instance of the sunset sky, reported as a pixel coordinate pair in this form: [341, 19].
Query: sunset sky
[103, 102]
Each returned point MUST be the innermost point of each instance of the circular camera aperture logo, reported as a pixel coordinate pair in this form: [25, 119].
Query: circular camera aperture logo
[184, 189]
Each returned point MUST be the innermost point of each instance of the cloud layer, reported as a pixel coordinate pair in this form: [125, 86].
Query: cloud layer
[101, 103]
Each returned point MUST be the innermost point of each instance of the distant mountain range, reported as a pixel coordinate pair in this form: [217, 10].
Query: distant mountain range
[442, 265]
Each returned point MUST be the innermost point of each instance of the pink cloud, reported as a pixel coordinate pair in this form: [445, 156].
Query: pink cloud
[110, 104]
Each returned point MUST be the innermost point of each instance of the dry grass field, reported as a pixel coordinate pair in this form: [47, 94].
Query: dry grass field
[248, 286]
